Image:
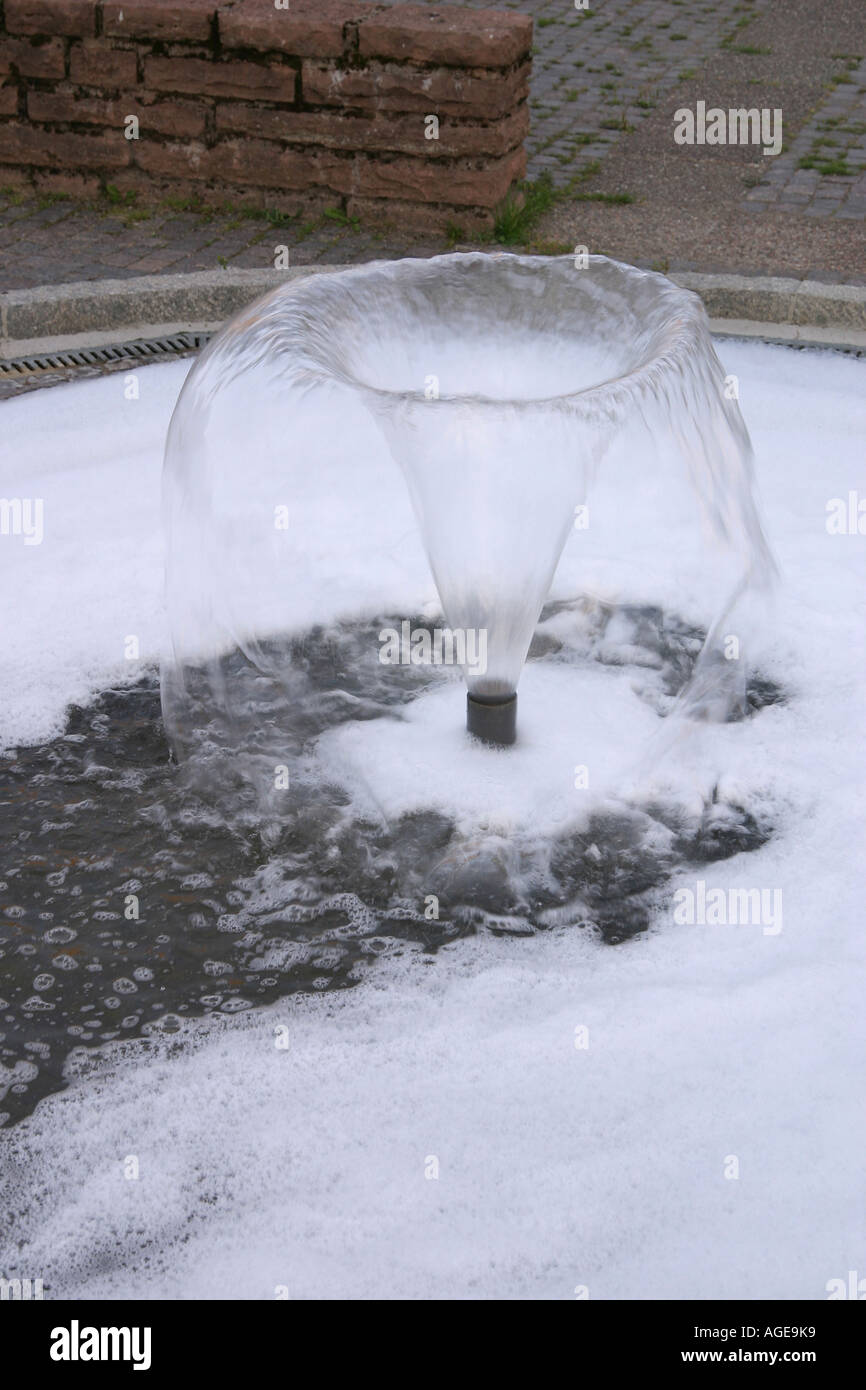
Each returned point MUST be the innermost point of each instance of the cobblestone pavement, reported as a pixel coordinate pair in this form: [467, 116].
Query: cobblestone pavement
[598, 72]
[45, 241]
[823, 174]
[601, 77]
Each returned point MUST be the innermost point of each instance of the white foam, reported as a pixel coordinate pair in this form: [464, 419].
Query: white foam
[70, 603]
[559, 1166]
[570, 720]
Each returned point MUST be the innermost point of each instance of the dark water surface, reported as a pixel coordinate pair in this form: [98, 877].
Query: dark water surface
[100, 824]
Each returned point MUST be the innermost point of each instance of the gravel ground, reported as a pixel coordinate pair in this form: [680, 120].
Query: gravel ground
[702, 207]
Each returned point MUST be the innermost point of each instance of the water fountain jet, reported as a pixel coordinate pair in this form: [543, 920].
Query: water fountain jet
[499, 383]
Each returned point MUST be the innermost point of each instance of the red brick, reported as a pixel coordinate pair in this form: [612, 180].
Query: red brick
[446, 34]
[71, 17]
[14, 177]
[159, 19]
[151, 190]
[476, 93]
[467, 183]
[8, 99]
[74, 185]
[264, 122]
[254, 81]
[178, 118]
[405, 133]
[26, 144]
[96, 64]
[171, 160]
[32, 60]
[253, 163]
[63, 106]
[157, 189]
[308, 29]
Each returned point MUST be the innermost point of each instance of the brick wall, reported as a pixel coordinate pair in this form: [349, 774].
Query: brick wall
[324, 103]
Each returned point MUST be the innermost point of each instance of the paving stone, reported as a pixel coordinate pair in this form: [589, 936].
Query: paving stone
[832, 194]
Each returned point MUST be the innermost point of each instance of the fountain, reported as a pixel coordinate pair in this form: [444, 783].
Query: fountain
[357, 459]
[176, 973]
[499, 383]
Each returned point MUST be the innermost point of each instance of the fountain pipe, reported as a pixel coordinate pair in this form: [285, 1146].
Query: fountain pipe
[492, 718]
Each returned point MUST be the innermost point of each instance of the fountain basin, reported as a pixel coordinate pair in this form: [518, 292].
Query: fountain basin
[484, 1041]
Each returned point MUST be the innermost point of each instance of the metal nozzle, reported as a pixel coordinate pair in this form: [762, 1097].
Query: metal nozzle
[492, 718]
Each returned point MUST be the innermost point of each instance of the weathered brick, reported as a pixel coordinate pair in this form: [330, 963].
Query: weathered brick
[134, 179]
[13, 176]
[63, 106]
[169, 20]
[256, 163]
[73, 185]
[95, 64]
[474, 93]
[469, 183]
[27, 144]
[8, 99]
[172, 159]
[187, 119]
[74, 18]
[446, 34]
[404, 133]
[178, 118]
[32, 60]
[308, 29]
[268, 124]
[367, 142]
[253, 81]
[159, 189]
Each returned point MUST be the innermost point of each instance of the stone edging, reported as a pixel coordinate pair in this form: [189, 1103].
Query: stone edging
[788, 310]
[97, 313]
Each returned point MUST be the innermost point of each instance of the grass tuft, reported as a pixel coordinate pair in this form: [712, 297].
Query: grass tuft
[826, 166]
[517, 214]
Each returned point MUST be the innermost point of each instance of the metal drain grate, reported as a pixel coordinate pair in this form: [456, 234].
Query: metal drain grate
[140, 350]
